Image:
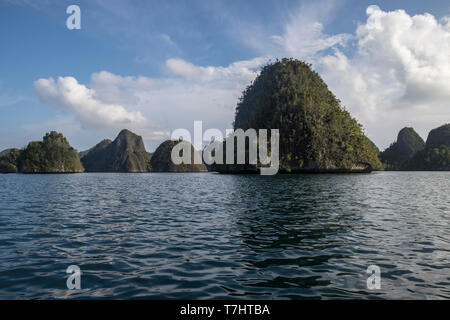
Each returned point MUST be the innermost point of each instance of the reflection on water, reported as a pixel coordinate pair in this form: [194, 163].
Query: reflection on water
[225, 236]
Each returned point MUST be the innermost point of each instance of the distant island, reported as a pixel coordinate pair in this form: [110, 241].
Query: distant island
[316, 135]
[411, 153]
[407, 145]
[161, 159]
[51, 155]
[125, 154]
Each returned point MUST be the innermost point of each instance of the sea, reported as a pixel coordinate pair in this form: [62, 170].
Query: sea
[380, 235]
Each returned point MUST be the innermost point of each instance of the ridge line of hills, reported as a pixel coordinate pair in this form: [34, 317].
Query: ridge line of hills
[316, 135]
[127, 154]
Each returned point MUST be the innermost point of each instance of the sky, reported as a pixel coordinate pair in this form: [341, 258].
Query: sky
[156, 66]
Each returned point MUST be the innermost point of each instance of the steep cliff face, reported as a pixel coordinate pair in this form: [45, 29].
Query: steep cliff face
[407, 145]
[316, 133]
[125, 154]
[436, 154]
[161, 159]
[52, 155]
[439, 137]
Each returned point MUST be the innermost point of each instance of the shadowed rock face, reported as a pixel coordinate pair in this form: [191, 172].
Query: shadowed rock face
[161, 159]
[316, 133]
[99, 146]
[439, 137]
[436, 154]
[52, 155]
[407, 145]
[125, 154]
[409, 142]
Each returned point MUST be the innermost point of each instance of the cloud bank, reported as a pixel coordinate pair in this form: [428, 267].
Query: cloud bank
[92, 112]
[399, 74]
[393, 71]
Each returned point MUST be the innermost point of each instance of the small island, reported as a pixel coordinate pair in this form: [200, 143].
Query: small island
[161, 159]
[125, 154]
[411, 153]
[316, 133]
[407, 145]
[51, 155]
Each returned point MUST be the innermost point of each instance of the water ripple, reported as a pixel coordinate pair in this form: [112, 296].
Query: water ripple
[210, 236]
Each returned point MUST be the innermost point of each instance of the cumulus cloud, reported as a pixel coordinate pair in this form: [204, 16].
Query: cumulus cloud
[240, 71]
[399, 75]
[116, 89]
[303, 35]
[68, 94]
[105, 78]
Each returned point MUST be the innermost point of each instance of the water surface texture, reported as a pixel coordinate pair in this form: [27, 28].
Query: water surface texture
[205, 235]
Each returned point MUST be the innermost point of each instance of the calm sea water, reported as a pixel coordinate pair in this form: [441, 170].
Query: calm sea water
[198, 236]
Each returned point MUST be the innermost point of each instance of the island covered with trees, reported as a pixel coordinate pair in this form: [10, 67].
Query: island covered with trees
[411, 153]
[316, 134]
[51, 155]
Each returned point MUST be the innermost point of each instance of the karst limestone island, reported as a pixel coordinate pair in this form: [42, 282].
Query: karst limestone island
[161, 159]
[316, 135]
[51, 155]
[125, 154]
[411, 153]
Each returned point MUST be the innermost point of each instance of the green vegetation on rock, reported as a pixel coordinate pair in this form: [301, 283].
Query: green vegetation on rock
[436, 154]
[125, 154]
[99, 146]
[161, 160]
[52, 155]
[439, 137]
[407, 145]
[9, 160]
[316, 133]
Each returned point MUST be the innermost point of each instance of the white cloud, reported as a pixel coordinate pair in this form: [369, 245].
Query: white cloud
[105, 78]
[399, 75]
[115, 89]
[303, 35]
[92, 112]
[243, 71]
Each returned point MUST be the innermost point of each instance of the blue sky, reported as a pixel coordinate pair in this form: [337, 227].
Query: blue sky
[168, 63]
